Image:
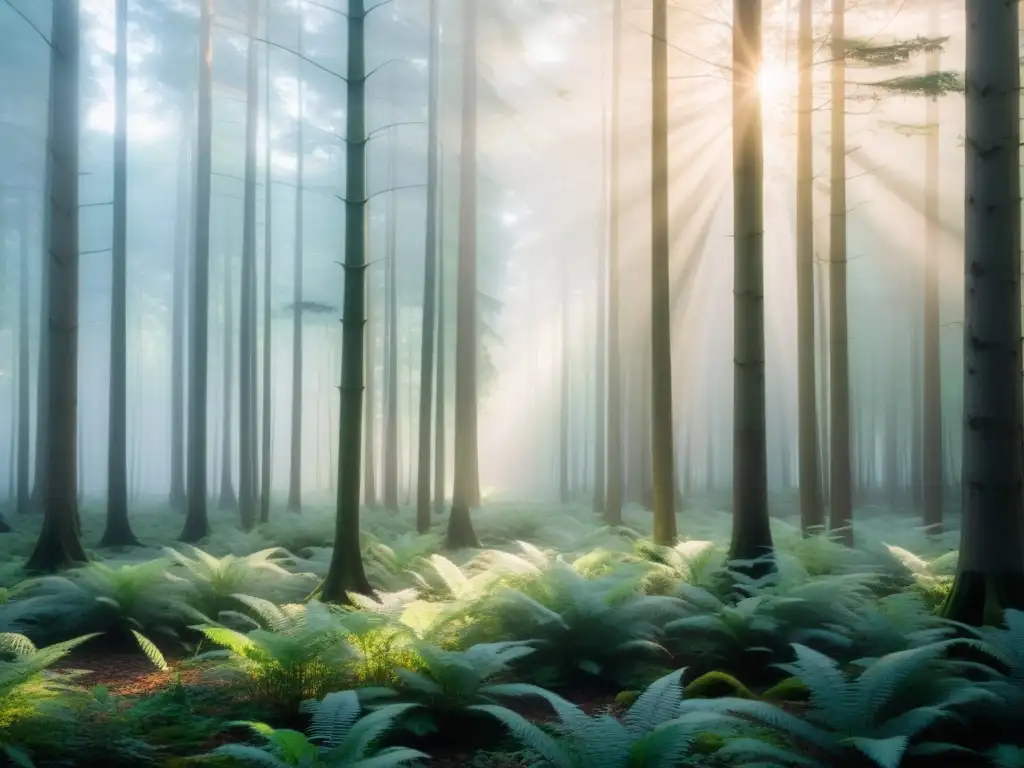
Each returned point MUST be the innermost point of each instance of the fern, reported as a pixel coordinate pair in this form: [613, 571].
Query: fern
[338, 738]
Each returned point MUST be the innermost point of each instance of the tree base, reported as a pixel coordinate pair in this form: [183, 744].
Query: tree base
[342, 581]
[119, 536]
[58, 548]
[227, 502]
[4, 527]
[196, 529]
[979, 598]
[460, 533]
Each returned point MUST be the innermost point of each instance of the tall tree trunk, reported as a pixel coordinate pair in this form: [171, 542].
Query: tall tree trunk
[466, 488]
[391, 334]
[227, 499]
[24, 498]
[118, 532]
[266, 467]
[824, 434]
[661, 318]
[990, 572]
[812, 513]
[369, 409]
[563, 382]
[439, 400]
[346, 573]
[430, 259]
[751, 532]
[182, 257]
[247, 500]
[59, 544]
[613, 494]
[839, 362]
[197, 524]
[931, 469]
[295, 472]
[601, 341]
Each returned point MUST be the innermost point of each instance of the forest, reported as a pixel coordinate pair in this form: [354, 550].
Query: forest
[377, 388]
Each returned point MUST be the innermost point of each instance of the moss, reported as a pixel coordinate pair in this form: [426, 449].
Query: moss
[708, 743]
[626, 698]
[714, 685]
[790, 689]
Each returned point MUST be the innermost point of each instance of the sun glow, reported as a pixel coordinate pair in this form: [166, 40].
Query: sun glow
[776, 82]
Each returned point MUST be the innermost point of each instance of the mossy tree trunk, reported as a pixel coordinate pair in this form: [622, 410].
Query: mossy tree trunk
[346, 573]
[990, 572]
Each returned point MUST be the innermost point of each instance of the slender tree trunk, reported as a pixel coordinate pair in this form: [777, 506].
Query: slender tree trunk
[295, 473]
[227, 499]
[391, 332]
[931, 469]
[266, 468]
[812, 515]
[118, 532]
[613, 495]
[841, 500]
[430, 259]
[466, 489]
[601, 342]
[439, 400]
[178, 313]
[661, 318]
[990, 572]
[247, 500]
[346, 573]
[370, 409]
[564, 490]
[24, 491]
[824, 439]
[751, 533]
[59, 545]
[197, 524]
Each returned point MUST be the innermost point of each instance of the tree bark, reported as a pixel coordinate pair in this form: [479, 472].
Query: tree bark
[751, 532]
[118, 532]
[391, 334]
[59, 545]
[247, 498]
[227, 498]
[197, 524]
[661, 319]
[841, 513]
[24, 498]
[990, 572]
[266, 465]
[295, 454]
[613, 494]
[439, 401]
[812, 513]
[931, 455]
[346, 573]
[466, 488]
[178, 312]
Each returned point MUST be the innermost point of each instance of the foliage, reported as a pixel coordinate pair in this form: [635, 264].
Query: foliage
[929, 84]
[447, 684]
[651, 733]
[338, 738]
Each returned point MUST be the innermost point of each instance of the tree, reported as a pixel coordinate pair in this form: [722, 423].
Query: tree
[663, 465]
[751, 532]
[197, 524]
[840, 496]
[118, 532]
[430, 281]
[346, 573]
[247, 499]
[613, 494]
[182, 256]
[59, 544]
[811, 511]
[990, 571]
[23, 499]
[931, 396]
[268, 259]
[227, 499]
[295, 454]
[466, 488]
[390, 469]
